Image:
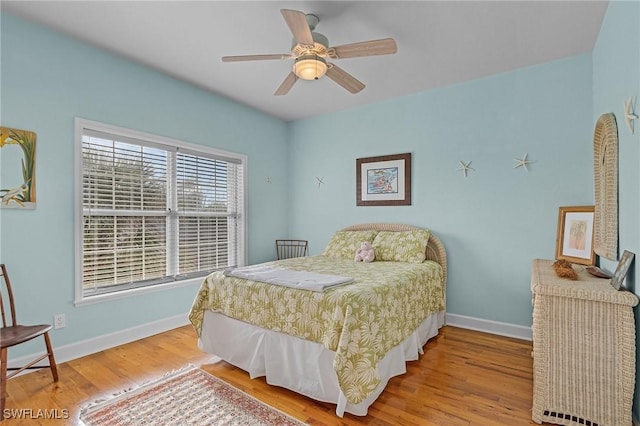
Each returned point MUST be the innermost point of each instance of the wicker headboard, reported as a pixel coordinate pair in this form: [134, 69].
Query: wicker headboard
[434, 251]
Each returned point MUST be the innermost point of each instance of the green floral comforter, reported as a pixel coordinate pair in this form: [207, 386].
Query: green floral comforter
[360, 322]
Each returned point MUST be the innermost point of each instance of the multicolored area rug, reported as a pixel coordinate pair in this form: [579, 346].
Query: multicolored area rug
[189, 396]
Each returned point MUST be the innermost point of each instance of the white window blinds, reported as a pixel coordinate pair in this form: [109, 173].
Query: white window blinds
[155, 213]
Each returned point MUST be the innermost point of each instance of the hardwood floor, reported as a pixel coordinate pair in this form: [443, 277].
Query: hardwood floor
[464, 378]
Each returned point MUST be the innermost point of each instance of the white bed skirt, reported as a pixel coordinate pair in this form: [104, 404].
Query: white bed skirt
[285, 359]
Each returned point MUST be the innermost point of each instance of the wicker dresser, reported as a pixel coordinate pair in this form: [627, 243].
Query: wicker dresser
[583, 349]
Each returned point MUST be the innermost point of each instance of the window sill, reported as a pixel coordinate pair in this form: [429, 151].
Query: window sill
[125, 294]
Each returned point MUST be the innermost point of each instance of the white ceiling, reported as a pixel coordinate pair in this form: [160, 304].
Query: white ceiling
[440, 43]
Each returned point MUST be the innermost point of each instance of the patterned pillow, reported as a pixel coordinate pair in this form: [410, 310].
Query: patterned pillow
[343, 244]
[402, 246]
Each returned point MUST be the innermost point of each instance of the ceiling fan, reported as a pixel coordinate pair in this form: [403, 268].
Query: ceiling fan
[310, 50]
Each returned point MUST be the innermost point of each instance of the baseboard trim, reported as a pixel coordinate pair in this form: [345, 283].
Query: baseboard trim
[99, 343]
[488, 326]
[96, 344]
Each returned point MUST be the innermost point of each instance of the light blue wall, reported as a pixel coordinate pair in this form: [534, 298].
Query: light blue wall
[495, 221]
[616, 77]
[47, 80]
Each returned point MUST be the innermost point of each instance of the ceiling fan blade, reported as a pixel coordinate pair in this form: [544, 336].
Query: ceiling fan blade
[297, 22]
[344, 79]
[286, 85]
[255, 57]
[384, 46]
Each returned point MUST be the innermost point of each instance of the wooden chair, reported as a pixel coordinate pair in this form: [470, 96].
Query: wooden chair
[12, 334]
[286, 249]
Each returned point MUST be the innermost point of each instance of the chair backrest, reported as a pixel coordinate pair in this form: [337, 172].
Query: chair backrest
[286, 249]
[5, 289]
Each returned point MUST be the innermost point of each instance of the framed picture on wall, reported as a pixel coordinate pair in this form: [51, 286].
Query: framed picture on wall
[574, 240]
[18, 190]
[384, 180]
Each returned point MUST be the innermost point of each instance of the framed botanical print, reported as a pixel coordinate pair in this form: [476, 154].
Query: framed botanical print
[19, 168]
[574, 241]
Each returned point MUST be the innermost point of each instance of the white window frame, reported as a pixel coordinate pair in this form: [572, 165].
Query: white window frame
[80, 125]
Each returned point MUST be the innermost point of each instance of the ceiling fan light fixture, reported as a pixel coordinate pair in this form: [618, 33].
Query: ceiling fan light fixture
[310, 67]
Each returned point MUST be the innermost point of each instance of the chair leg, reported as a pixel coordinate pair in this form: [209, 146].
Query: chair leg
[52, 360]
[3, 379]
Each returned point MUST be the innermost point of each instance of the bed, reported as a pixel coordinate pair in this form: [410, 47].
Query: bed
[339, 345]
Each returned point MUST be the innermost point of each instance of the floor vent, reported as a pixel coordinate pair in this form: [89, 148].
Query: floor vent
[574, 419]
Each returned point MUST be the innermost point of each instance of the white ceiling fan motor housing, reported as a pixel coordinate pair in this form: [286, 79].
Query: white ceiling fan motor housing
[321, 43]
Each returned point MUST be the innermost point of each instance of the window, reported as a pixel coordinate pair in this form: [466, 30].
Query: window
[153, 211]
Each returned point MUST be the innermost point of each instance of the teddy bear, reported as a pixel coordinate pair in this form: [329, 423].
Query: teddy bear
[365, 253]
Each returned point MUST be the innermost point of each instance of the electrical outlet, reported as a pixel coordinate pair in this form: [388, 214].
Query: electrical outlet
[59, 321]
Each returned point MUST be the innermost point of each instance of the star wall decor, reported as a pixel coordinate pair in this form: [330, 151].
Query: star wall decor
[522, 162]
[269, 180]
[319, 181]
[465, 167]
